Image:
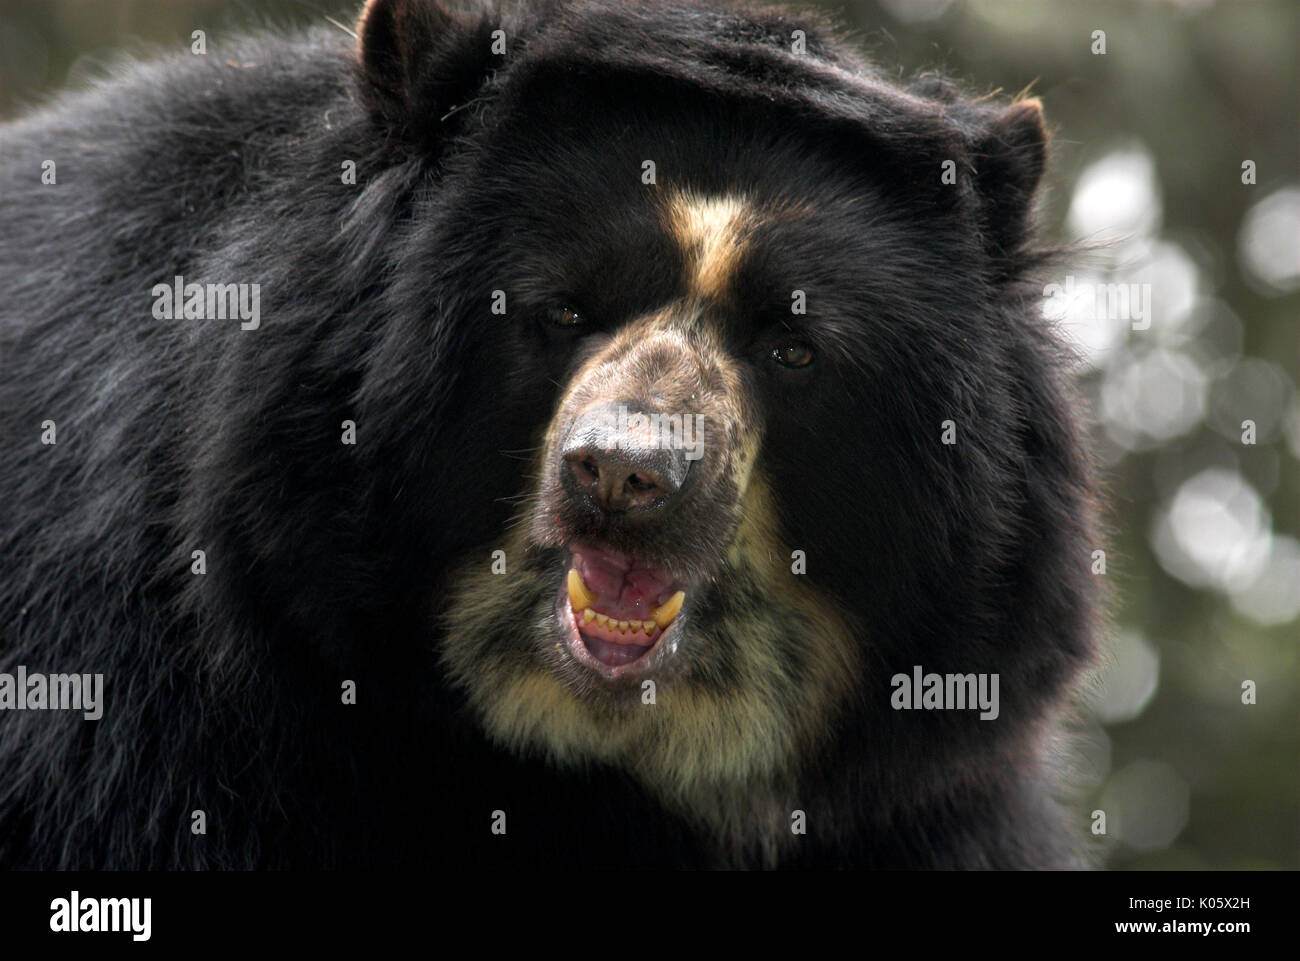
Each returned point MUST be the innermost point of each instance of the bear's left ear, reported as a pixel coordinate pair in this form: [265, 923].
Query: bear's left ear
[1010, 154]
[419, 61]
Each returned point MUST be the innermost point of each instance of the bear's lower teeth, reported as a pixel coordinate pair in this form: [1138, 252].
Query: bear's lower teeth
[590, 616]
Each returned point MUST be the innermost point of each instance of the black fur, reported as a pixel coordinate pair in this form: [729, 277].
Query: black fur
[479, 171]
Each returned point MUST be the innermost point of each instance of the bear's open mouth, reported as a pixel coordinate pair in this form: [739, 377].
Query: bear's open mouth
[617, 610]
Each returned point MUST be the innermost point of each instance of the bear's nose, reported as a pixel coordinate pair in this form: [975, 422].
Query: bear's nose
[615, 460]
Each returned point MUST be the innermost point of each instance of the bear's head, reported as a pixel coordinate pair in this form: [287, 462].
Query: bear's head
[742, 403]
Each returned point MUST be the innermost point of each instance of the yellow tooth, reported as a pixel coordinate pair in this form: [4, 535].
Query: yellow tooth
[588, 616]
[664, 614]
[602, 619]
[579, 596]
[622, 627]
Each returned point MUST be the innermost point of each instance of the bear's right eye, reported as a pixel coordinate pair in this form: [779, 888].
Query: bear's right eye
[565, 317]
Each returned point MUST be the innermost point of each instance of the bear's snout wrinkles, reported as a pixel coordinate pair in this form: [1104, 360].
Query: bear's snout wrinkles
[639, 450]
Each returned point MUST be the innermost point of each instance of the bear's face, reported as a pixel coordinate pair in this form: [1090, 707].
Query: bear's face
[649, 612]
[726, 384]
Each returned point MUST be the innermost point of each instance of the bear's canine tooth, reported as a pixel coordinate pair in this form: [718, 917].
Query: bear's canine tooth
[579, 596]
[664, 614]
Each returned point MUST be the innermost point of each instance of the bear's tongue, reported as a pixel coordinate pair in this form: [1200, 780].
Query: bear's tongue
[620, 607]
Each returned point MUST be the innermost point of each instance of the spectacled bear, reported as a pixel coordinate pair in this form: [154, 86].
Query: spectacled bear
[576, 434]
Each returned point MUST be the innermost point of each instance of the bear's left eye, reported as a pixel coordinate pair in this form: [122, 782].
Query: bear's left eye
[793, 354]
[564, 317]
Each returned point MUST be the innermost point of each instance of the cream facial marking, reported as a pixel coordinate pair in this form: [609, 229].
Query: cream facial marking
[713, 233]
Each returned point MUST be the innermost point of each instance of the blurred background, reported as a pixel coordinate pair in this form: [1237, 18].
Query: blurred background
[1176, 162]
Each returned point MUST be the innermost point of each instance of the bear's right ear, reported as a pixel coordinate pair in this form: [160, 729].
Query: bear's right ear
[419, 61]
[1011, 152]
